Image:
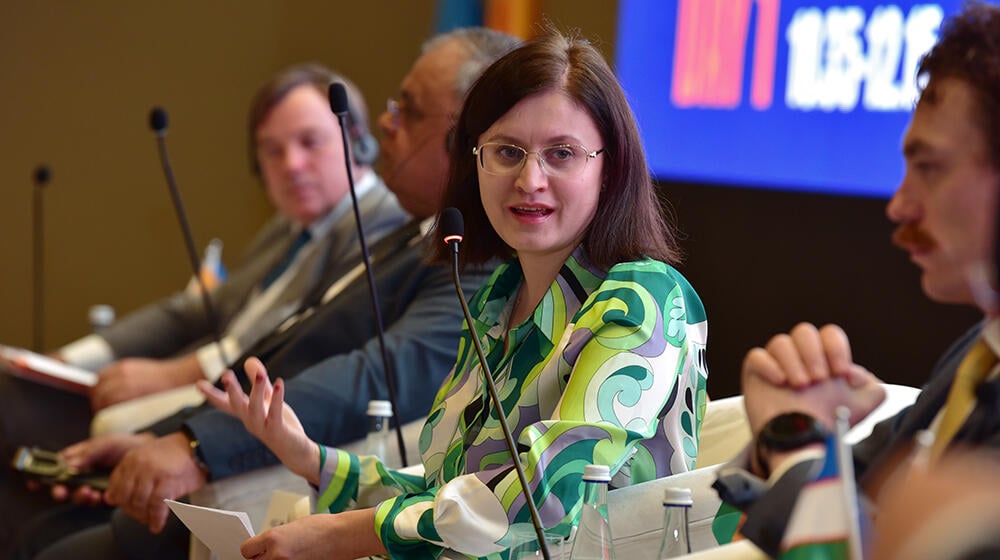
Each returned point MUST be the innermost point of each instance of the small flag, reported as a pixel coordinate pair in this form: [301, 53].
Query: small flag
[727, 522]
[818, 527]
[811, 512]
[825, 523]
[212, 271]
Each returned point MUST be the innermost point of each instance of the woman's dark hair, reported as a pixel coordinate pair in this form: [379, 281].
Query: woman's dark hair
[628, 224]
[969, 50]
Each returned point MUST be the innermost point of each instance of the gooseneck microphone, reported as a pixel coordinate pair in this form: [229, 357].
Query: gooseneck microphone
[41, 176]
[453, 229]
[158, 123]
[338, 104]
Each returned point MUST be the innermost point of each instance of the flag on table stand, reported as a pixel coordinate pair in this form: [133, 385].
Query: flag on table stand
[825, 522]
[726, 523]
[212, 271]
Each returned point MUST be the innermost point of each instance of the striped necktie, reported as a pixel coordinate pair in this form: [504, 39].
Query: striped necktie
[973, 369]
[282, 265]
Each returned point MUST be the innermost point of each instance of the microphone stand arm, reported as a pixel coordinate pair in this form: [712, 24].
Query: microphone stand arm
[38, 275]
[175, 196]
[491, 387]
[373, 292]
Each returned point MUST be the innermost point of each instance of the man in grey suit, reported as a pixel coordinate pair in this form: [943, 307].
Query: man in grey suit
[332, 340]
[297, 150]
[946, 213]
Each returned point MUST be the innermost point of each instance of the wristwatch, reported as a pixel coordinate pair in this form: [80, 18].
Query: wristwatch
[195, 450]
[788, 432]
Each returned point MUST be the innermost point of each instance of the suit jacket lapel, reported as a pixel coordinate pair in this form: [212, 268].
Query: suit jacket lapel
[380, 251]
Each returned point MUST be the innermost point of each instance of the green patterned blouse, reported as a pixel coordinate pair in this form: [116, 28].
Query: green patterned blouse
[609, 369]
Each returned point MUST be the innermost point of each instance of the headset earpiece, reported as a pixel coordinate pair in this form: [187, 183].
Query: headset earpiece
[364, 146]
[364, 149]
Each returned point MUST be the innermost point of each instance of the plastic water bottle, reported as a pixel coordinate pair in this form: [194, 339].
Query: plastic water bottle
[101, 316]
[593, 534]
[676, 505]
[380, 441]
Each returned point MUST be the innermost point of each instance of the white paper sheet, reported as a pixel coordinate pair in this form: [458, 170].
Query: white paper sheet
[222, 531]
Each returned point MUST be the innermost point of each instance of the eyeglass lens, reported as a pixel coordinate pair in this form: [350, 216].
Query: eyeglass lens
[557, 160]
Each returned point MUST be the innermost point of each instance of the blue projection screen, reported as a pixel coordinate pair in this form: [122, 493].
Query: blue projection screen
[798, 95]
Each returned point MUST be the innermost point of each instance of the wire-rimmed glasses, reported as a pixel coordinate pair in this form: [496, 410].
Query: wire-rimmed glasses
[557, 160]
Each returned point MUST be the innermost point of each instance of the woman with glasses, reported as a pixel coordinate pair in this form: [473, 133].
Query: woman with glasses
[595, 343]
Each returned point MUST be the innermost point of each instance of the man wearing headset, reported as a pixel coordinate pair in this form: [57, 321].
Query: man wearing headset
[296, 147]
[297, 151]
[422, 317]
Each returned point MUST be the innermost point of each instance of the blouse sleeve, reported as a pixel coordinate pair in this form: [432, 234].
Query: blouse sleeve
[349, 481]
[625, 356]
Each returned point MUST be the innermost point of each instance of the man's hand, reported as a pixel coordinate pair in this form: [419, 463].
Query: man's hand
[807, 370]
[341, 536]
[163, 468]
[129, 378]
[94, 453]
[265, 415]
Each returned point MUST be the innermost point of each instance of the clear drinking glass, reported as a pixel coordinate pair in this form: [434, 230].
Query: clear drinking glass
[524, 544]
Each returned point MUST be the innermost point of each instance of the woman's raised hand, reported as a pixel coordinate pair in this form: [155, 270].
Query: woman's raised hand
[265, 415]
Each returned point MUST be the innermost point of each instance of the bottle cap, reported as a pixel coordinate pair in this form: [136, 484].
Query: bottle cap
[676, 496]
[380, 408]
[101, 315]
[597, 473]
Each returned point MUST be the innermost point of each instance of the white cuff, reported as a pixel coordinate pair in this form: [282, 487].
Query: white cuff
[742, 461]
[90, 352]
[815, 451]
[211, 361]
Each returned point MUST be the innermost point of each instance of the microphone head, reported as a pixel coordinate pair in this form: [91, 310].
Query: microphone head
[451, 225]
[42, 175]
[158, 120]
[338, 99]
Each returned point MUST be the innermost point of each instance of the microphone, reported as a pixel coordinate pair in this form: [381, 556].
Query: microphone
[158, 123]
[41, 176]
[453, 227]
[338, 104]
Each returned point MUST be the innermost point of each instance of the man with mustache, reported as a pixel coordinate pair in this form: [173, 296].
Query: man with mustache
[945, 210]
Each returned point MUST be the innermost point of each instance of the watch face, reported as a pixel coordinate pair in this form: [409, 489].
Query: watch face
[792, 430]
[793, 423]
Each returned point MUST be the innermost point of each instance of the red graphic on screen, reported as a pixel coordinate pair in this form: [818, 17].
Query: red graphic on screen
[710, 49]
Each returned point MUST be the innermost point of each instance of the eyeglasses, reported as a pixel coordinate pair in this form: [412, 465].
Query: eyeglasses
[392, 107]
[399, 113]
[558, 160]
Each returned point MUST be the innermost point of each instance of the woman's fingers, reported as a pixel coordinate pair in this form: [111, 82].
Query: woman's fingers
[215, 396]
[275, 415]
